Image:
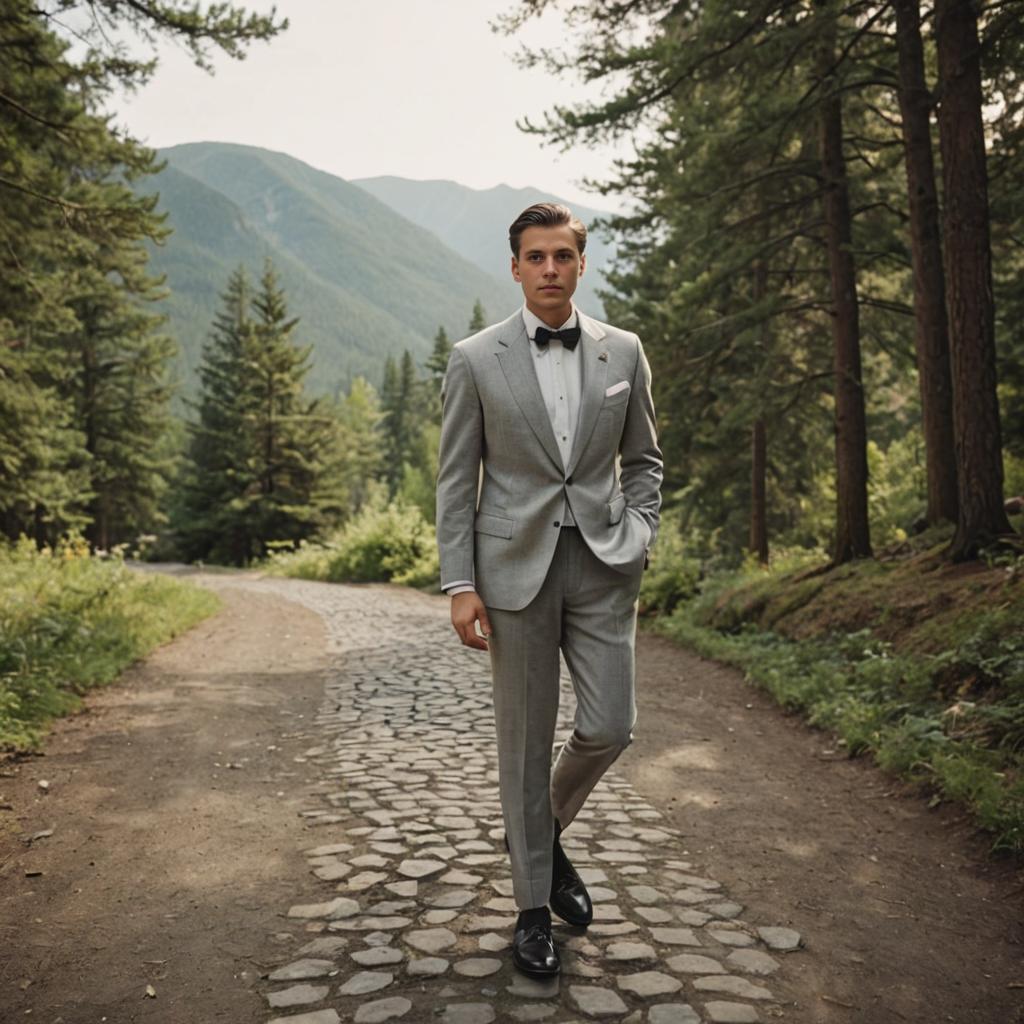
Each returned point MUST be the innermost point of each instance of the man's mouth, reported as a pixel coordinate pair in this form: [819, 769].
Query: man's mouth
[551, 288]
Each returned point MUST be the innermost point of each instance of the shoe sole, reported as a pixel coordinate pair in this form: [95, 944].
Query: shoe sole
[575, 923]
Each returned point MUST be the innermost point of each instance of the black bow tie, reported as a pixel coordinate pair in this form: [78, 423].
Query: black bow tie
[568, 336]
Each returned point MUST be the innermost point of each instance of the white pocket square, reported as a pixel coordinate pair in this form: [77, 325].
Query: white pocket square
[616, 388]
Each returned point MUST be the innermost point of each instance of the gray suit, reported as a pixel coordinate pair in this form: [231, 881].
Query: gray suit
[501, 490]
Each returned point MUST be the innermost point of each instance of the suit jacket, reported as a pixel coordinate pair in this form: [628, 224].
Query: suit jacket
[501, 481]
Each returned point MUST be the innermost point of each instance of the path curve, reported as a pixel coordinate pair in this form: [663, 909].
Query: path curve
[351, 834]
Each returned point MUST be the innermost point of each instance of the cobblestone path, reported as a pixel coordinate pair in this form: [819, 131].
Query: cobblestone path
[410, 915]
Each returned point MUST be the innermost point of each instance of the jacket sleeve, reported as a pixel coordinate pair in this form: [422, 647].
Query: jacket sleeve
[641, 471]
[458, 475]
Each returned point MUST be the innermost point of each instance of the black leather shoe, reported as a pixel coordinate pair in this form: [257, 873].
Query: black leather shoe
[569, 897]
[534, 953]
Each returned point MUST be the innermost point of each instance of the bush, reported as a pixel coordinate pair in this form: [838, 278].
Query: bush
[954, 719]
[387, 542]
[70, 621]
[672, 576]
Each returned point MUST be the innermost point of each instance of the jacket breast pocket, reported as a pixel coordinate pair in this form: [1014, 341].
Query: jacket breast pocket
[494, 526]
[614, 401]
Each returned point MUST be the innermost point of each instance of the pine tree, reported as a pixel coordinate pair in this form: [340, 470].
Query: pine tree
[981, 516]
[268, 463]
[68, 216]
[119, 386]
[392, 425]
[220, 457]
[931, 333]
[359, 415]
[437, 365]
[722, 267]
[478, 321]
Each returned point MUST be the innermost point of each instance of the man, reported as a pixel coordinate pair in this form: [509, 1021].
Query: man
[548, 496]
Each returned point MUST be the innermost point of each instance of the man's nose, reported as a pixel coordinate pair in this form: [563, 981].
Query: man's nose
[550, 267]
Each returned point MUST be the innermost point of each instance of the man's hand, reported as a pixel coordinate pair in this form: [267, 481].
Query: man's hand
[467, 608]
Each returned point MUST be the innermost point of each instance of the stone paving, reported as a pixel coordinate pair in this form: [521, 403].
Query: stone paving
[410, 913]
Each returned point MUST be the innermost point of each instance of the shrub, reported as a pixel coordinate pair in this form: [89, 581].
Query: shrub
[70, 621]
[386, 542]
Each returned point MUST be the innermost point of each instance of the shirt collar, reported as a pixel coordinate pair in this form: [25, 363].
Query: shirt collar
[533, 322]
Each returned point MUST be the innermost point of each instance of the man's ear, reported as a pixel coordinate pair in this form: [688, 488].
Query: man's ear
[515, 269]
[583, 263]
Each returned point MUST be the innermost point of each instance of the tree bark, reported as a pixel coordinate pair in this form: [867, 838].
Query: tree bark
[931, 336]
[853, 538]
[758, 503]
[978, 440]
[759, 442]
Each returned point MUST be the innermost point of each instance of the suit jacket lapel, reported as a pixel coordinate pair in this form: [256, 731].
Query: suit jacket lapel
[516, 361]
[595, 372]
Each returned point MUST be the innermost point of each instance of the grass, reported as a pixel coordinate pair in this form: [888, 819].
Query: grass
[906, 658]
[70, 622]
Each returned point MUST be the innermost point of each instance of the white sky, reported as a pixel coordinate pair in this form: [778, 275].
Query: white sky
[414, 88]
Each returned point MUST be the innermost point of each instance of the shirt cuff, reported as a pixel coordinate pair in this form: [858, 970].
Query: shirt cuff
[458, 587]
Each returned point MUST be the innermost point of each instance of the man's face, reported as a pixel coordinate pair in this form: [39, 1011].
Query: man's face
[548, 267]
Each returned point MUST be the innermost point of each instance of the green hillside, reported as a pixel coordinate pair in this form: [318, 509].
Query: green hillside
[365, 281]
[474, 222]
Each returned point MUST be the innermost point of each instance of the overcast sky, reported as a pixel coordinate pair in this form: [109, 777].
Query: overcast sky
[358, 88]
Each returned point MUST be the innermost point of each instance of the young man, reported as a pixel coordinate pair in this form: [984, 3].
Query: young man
[548, 495]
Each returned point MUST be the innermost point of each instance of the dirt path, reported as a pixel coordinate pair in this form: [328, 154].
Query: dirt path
[161, 865]
[167, 867]
[908, 916]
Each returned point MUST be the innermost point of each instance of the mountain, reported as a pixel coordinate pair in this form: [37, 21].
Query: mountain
[365, 281]
[474, 222]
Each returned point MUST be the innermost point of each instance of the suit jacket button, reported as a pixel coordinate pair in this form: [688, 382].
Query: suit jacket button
[568, 480]
[557, 523]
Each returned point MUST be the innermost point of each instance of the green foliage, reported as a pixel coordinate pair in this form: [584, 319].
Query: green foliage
[672, 575]
[478, 321]
[70, 622]
[83, 370]
[387, 541]
[266, 463]
[367, 282]
[952, 719]
[359, 415]
[721, 263]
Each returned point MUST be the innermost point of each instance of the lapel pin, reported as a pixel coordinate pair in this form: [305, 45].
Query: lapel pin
[603, 357]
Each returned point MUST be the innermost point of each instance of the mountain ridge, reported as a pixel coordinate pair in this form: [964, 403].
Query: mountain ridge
[475, 222]
[364, 281]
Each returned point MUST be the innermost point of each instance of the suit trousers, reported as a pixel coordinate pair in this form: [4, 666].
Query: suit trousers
[587, 611]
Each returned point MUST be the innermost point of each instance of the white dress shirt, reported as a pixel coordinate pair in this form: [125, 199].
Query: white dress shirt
[559, 376]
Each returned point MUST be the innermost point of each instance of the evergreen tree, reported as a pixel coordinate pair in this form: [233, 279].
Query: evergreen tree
[478, 321]
[118, 383]
[393, 425]
[70, 227]
[931, 334]
[770, 206]
[359, 415]
[978, 435]
[267, 461]
[437, 365]
[218, 471]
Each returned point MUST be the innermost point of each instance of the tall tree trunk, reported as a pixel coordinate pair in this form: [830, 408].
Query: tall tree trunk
[979, 451]
[758, 503]
[931, 336]
[759, 443]
[86, 405]
[853, 538]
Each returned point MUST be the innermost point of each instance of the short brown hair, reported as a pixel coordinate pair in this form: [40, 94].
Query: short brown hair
[546, 215]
